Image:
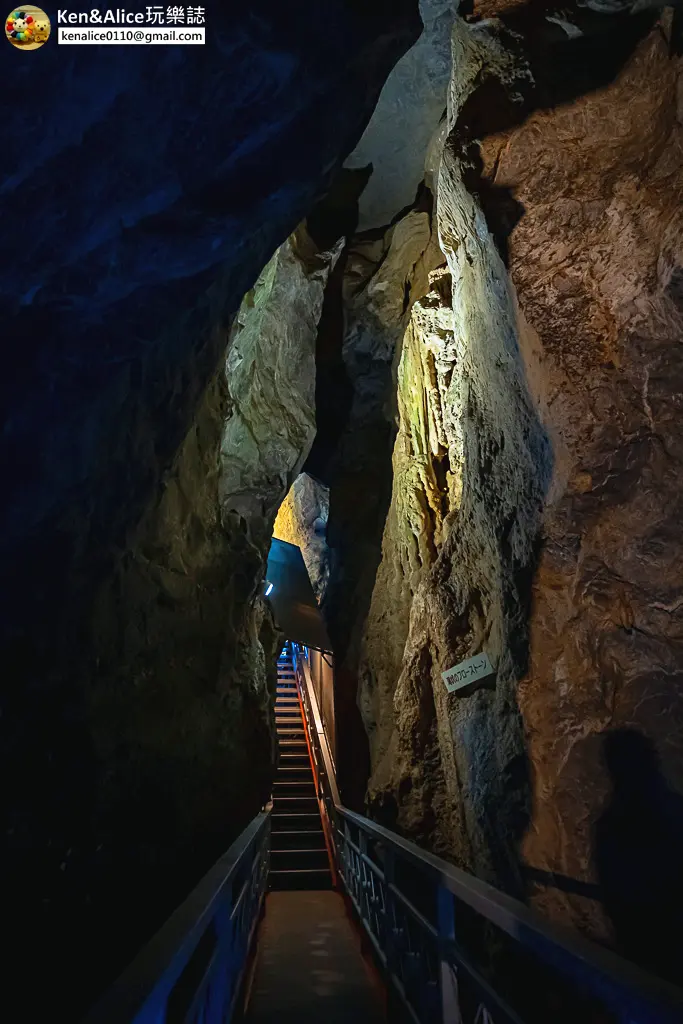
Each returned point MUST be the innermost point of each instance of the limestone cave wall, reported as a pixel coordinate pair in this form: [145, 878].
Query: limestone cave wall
[535, 481]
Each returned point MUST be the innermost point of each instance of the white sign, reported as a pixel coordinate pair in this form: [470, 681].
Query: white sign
[468, 672]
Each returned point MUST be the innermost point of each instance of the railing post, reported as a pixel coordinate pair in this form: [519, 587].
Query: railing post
[391, 921]
[448, 980]
[363, 884]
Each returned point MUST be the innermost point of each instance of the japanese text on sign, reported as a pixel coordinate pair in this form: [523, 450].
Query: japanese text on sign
[467, 672]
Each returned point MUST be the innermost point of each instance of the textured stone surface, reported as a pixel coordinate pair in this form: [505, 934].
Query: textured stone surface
[270, 369]
[536, 490]
[381, 281]
[159, 189]
[410, 107]
[302, 520]
[179, 706]
[606, 301]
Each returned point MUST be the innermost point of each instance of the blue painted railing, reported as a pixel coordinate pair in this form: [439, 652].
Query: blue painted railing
[192, 970]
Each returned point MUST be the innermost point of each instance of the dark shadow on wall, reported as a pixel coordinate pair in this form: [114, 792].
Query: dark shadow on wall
[639, 856]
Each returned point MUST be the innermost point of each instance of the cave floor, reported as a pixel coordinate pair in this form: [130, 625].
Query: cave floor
[309, 965]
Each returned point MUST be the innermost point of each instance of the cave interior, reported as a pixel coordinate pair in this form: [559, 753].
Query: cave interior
[393, 291]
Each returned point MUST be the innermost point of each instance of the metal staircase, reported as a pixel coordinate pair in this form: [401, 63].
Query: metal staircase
[418, 913]
[298, 855]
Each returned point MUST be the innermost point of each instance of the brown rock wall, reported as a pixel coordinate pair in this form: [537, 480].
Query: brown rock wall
[536, 493]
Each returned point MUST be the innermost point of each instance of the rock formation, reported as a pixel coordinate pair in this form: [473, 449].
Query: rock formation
[302, 520]
[381, 279]
[536, 465]
[407, 115]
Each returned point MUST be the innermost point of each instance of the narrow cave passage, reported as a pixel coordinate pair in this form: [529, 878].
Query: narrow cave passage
[341, 625]
[309, 963]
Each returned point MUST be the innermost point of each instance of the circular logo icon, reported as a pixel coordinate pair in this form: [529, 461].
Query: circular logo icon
[27, 27]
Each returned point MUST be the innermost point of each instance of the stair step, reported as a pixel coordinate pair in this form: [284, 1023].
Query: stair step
[295, 821]
[302, 838]
[312, 878]
[294, 773]
[286, 779]
[294, 788]
[295, 804]
[298, 859]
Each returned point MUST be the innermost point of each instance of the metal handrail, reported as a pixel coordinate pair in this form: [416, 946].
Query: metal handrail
[633, 995]
[193, 968]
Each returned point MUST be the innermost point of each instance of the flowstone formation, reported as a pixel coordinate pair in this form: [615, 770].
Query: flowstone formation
[381, 279]
[535, 491]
